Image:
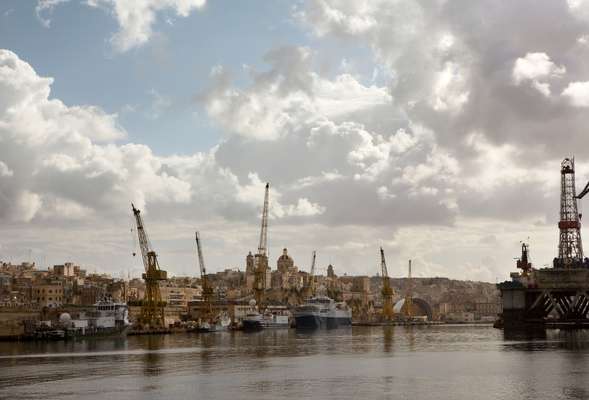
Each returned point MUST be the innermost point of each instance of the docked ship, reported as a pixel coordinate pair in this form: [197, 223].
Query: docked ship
[106, 318]
[268, 319]
[322, 312]
[255, 320]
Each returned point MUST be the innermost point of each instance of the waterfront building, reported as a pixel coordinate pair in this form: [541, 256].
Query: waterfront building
[48, 294]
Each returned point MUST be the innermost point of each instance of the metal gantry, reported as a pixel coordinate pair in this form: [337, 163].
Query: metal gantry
[152, 307]
[570, 247]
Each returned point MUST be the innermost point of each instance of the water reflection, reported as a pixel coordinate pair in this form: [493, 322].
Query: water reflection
[538, 339]
[410, 335]
[153, 360]
[373, 362]
[388, 333]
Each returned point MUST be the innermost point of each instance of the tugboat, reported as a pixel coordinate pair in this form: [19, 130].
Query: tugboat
[322, 312]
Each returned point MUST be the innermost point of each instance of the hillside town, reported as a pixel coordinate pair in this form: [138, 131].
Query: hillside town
[30, 292]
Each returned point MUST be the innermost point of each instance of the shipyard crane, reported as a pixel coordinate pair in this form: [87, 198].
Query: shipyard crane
[408, 304]
[261, 258]
[387, 290]
[207, 290]
[152, 307]
[310, 289]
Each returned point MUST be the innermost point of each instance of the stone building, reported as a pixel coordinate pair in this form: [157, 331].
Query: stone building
[48, 294]
[287, 273]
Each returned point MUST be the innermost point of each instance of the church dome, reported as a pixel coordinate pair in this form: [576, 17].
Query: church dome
[284, 255]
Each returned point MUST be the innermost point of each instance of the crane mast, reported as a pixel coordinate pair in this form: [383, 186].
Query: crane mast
[387, 290]
[261, 258]
[207, 290]
[152, 307]
[264, 229]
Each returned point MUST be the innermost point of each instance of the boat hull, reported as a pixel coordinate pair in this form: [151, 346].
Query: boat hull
[252, 325]
[311, 321]
[257, 322]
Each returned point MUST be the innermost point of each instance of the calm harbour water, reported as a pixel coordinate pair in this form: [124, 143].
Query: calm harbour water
[437, 362]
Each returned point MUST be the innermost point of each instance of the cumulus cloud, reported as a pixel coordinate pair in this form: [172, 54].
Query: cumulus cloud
[135, 18]
[454, 138]
[450, 90]
[287, 95]
[4, 170]
[45, 7]
[66, 162]
[577, 93]
[535, 67]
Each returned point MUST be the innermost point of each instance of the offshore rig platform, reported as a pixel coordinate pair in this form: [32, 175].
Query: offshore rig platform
[552, 297]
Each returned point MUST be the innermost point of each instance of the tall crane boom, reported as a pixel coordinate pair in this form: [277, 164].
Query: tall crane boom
[144, 242]
[261, 258]
[262, 250]
[207, 291]
[152, 307]
[201, 261]
[387, 290]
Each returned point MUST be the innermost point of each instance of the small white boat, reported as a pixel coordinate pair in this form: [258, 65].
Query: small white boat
[222, 323]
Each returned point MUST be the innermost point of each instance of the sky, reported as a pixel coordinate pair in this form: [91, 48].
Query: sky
[432, 128]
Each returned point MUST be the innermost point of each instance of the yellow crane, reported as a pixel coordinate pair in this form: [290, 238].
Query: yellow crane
[207, 290]
[261, 258]
[152, 307]
[387, 290]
